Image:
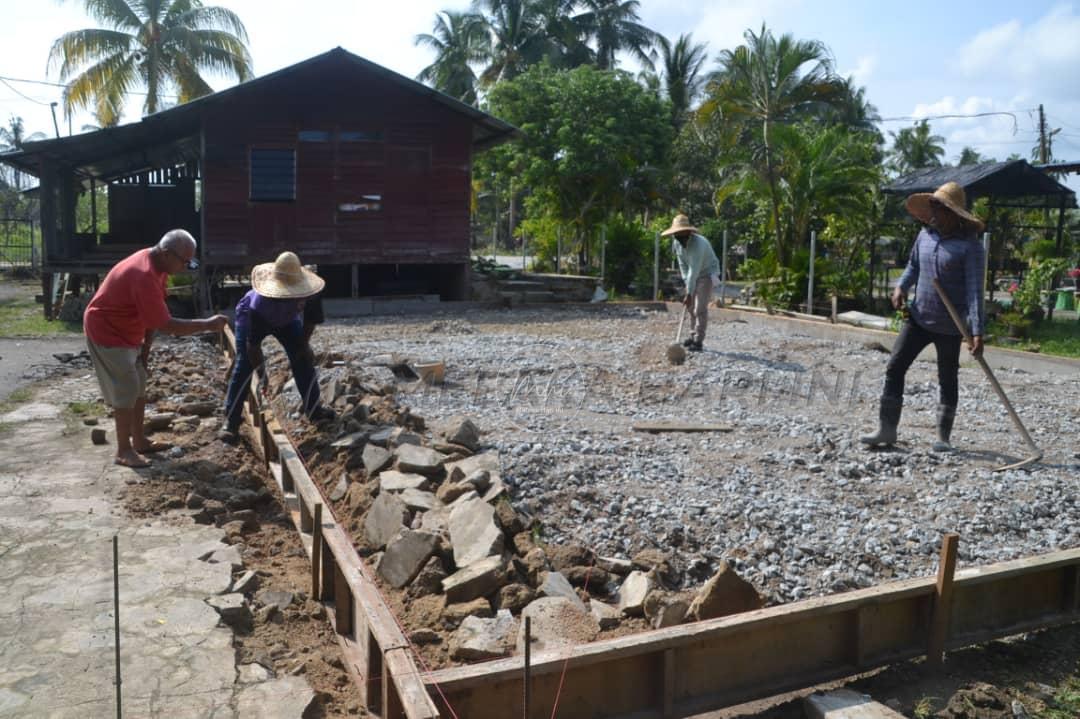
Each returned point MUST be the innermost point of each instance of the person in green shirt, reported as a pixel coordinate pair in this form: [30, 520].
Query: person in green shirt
[700, 272]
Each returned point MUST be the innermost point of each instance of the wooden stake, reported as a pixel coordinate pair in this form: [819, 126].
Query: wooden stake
[316, 552]
[939, 621]
[528, 667]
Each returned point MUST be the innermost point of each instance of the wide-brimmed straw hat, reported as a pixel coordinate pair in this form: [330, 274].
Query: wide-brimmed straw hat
[681, 223]
[285, 278]
[951, 195]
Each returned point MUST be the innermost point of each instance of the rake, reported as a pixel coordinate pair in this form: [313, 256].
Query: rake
[1037, 453]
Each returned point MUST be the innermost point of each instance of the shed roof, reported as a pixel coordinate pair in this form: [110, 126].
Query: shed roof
[1012, 178]
[172, 136]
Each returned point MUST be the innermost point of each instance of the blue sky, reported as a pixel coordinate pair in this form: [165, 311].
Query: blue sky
[918, 58]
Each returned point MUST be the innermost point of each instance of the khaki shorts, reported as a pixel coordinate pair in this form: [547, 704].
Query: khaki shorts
[120, 374]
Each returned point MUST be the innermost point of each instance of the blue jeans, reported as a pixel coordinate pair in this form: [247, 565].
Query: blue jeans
[291, 337]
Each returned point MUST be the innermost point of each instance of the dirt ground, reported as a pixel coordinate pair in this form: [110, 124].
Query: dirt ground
[978, 683]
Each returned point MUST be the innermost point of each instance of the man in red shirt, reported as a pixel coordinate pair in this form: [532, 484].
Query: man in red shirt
[120, 322]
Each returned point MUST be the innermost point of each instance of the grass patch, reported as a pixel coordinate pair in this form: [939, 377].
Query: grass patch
[22, 317]
[1060, 337]
[85, 410]
[1066, 703]
[17, 397]
[924, 708]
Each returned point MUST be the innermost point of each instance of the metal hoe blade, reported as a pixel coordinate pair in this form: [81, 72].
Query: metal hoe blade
[1036, 453]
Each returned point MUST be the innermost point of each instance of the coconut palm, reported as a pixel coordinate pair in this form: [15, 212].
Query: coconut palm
[682, 63]
[12, 138]
[766, 81]
[457, 39]
[613, 26]
[162, 46]
[514, 40]
[915, 147]
[970, 156]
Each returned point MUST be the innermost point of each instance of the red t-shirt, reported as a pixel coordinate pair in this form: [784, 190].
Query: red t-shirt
[129, 302]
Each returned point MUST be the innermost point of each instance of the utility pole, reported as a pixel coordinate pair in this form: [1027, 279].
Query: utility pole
[1043, 148]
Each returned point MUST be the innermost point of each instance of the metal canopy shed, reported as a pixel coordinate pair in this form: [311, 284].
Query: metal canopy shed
[1013, 183]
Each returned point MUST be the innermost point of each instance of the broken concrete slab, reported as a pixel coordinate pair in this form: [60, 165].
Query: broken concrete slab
[229, 555]
[418, 500]
[284, 698]
[632, 593]
[474, 533]
[353, 439]
[402, 436]
[387, 516]
[556, 622]
[340, 489]
[420, 460]
[274, 597]
[459, 470]
[477, 580]
[394, 481]
[233, 610]
[376, 459]
[246, 582]
[556, 585]
[725, 593]
[405, 555]
[479, 639]
[606, 615]
[461, 430]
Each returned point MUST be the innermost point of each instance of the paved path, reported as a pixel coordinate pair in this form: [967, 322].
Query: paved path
[59, 509]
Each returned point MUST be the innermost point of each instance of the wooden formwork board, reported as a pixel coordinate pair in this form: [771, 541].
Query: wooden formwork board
[707, 665]
[671, 672]
[375, 649]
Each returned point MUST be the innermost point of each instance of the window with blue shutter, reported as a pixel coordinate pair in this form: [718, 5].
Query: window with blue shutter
[273, 175]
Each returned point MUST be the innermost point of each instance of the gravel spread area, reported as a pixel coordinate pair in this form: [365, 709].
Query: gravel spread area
[788, 496]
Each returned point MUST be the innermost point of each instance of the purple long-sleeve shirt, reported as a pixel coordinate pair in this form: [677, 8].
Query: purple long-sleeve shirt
[270, 312]
[958, 263]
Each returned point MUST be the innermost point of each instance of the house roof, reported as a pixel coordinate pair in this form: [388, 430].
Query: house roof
[1010, 179]
[172, 136]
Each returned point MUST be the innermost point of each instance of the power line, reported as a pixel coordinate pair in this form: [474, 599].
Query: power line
[6, 80]
[953, 117]
[20, 94]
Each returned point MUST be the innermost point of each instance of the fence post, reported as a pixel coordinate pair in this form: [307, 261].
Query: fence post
[810, 283]
[603, 253]
[558, 251]
[723, 272]
[656, 268]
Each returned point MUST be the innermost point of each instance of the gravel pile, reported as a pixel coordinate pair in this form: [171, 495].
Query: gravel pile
[789, 498]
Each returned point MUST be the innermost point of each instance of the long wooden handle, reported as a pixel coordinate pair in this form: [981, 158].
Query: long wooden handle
[678, 335]
[985, 367]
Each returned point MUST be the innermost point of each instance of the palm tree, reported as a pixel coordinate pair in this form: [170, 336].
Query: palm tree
[682, 63]
[12, 138]
[915, 147]
[563, 41]
[457, 39]
[513, 40]
[614, 26]
[767, 81]
[161, 45]
[970, 156]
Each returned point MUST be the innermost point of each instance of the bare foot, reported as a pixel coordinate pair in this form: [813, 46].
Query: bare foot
[132, 459]
[151, 447]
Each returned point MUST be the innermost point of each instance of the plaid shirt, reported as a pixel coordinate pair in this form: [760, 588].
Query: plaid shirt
[959, 264]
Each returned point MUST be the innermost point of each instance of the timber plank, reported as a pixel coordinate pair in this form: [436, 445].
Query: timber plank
[656, 427]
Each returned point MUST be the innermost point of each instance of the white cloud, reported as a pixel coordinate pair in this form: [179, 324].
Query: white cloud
[863, 70]
[1043, 55]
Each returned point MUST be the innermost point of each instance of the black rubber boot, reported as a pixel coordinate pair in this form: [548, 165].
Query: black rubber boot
[945, 417]
[888, 421]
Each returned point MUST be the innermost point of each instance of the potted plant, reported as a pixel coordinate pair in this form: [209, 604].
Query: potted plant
[1016, 324]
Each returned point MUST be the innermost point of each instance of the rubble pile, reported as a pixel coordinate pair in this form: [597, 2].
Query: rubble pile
[429, 510]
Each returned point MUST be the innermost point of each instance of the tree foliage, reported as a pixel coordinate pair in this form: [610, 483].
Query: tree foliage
[590, 137]
[162, 46]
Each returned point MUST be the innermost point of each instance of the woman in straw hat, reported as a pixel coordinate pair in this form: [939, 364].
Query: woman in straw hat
[948, 250]
[700, 271]
[274, 306]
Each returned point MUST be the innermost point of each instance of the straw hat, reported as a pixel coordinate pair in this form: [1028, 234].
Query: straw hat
[285, 278]
[951, 195]
[681, 223]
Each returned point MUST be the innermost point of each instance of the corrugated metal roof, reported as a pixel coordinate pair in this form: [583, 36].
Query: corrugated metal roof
[172, 136]
[1013, 178]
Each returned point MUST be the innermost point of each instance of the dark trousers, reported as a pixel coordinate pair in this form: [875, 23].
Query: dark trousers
[291, 337]
[908, 345]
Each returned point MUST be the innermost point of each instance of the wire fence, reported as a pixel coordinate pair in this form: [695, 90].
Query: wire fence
[20, 244]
